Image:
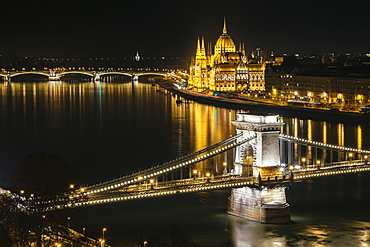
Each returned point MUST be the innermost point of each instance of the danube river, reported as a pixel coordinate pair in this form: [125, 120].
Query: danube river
[107, 129]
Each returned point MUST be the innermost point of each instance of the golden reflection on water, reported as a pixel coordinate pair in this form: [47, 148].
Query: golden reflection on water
[340, 134]
[359, 136]
[324, 132]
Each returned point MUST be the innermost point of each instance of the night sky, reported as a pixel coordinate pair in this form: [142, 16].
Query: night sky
[77, 28]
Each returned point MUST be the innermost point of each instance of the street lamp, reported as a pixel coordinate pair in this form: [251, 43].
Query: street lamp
[68, 221]
[318, 162]
[225, 167]
[350, 155]
[195, 172]
[208, 175]
[145, 242]
[103, 241]
[303, 160]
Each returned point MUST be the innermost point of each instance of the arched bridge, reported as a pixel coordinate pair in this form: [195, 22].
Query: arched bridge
[95, 75]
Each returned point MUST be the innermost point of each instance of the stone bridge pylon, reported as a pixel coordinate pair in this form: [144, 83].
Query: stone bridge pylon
[259, 158]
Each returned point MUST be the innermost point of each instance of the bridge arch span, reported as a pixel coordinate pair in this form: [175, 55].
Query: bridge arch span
[77, 72]
[151, 73]
[114, 73]
[29, 73]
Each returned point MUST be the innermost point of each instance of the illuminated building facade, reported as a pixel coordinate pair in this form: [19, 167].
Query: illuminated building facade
[331, 90]
[226, 68]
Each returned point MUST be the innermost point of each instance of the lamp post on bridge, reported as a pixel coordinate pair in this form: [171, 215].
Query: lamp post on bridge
[195, 173]
[303, 161]
[350, 156]
[103, 239]
[225, 167]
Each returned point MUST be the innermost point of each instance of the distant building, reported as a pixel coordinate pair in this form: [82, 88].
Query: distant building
[333, 85]
[137, 57]
[226, 68]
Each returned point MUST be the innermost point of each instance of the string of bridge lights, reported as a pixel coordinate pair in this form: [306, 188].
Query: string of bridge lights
[140, 176]
[320, 144]
[154, 193]
[319, 173]
[177, 160]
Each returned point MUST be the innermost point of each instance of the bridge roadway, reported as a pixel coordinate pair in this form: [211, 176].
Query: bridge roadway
[143, 185]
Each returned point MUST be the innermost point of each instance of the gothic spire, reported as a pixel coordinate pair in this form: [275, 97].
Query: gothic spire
[203, 49]
[224, 30]
[198, 47]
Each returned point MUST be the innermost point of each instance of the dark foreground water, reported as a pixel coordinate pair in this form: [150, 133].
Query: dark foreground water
[104, 130]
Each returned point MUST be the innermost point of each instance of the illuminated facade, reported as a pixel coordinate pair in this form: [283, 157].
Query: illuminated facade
[226, 68]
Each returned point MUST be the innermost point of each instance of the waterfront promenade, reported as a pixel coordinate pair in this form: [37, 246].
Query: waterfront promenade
[257, 105]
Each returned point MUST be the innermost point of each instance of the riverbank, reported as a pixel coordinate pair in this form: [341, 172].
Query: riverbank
[256, 107]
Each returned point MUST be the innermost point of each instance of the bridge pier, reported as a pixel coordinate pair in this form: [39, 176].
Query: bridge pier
[53, 76]
[135, 78]
[265, 205]
[262, 202]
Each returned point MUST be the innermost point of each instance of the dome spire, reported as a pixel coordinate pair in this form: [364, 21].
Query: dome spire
[224, 30]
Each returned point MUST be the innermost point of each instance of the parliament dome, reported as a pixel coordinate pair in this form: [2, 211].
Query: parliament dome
[224, 43]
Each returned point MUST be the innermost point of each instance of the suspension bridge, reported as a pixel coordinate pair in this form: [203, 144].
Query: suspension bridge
[265, 163]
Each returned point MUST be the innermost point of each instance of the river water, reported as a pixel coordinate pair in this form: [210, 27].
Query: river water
[107, 129]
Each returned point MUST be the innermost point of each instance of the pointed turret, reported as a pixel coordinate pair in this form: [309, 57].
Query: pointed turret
[203, 49]
[209, 49]
[242, 50]
[198, 53]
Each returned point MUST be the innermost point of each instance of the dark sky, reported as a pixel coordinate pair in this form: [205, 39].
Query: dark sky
[78, 28]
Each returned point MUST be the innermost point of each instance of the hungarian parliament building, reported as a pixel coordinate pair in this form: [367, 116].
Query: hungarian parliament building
[226, 68]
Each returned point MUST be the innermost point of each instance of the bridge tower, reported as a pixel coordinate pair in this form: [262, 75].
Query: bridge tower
[265, 201]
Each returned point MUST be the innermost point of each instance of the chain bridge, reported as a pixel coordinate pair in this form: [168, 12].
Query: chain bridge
[265, 164]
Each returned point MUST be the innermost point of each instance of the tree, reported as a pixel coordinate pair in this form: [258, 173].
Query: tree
[42, 174]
